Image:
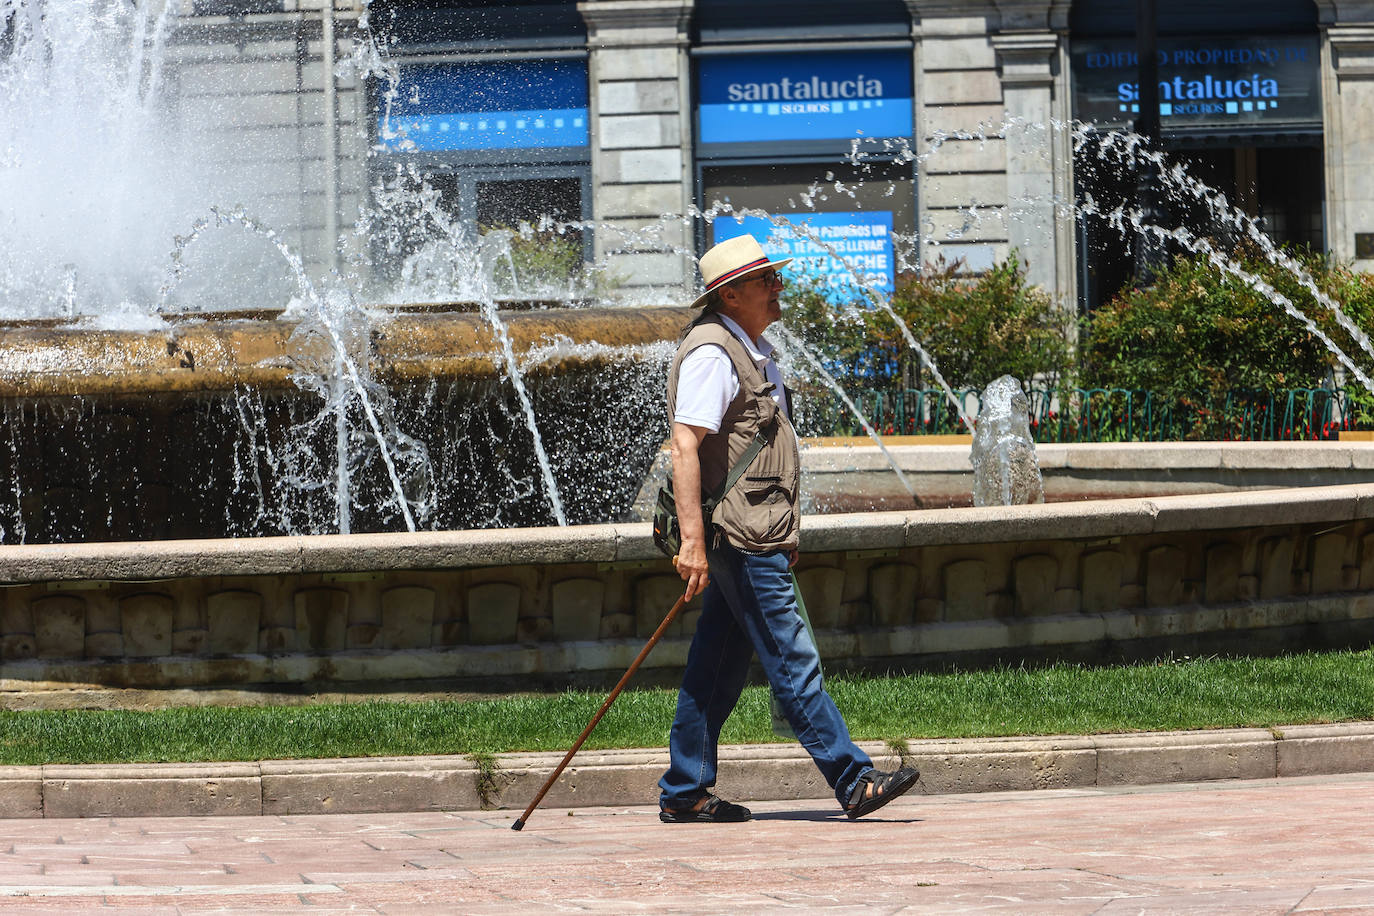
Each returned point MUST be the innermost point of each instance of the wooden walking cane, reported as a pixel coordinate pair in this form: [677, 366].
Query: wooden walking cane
[634, 666]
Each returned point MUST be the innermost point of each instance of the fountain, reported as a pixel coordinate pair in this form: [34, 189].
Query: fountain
[221, 491]
[179, 372]
[1005, 469]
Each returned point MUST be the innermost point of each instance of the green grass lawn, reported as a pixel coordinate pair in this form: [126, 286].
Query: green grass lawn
[1062, 699]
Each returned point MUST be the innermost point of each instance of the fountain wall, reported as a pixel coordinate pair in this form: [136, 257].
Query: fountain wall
[841, 477]
[200, 429]
[369, 615]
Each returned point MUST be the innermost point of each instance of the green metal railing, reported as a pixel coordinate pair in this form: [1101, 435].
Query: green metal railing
[1097, 414]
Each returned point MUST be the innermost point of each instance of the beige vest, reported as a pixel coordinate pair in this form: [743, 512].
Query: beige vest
[759, 514]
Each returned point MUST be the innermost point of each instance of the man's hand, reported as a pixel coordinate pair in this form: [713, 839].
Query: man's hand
[692, 567]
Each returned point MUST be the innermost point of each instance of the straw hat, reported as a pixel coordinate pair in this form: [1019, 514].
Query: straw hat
[730, 260]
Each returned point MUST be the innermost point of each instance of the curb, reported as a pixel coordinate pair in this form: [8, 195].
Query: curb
[628, 777]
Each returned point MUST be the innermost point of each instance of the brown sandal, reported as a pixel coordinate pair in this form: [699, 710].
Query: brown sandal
[714, 811]
[885, 787]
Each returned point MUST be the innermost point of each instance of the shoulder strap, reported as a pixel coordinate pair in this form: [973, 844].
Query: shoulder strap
[709, 503]
[760, 440]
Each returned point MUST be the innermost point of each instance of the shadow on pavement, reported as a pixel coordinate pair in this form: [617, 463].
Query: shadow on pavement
[831, 815]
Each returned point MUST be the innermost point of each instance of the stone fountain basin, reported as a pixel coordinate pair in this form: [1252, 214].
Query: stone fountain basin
[290, 619]
[200, 353]
[169, 432]
[854, 476]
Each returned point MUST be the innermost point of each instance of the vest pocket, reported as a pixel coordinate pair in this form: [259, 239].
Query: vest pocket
[768, 511]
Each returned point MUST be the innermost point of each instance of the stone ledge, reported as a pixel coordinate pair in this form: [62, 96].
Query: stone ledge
[21, 792]
[600, 778]
[366, 785]
[175, 789]
[1125, 760]
[1310, 750]
[1005, 524]
[632, 542]
[1261, 508]
[829, 455]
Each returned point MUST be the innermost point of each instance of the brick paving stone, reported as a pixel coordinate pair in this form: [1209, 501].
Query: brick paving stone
[430, 859]
[1264, 846]
[46, 852]
[65, 875]
[245, 902]
[1347, 899]
[182, 876]
[1231, 903]
[64, 905]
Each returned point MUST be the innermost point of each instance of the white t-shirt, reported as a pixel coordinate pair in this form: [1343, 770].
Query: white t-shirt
[707, 382]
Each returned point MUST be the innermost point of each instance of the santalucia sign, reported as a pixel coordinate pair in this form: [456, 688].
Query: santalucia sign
[1203, 82]
[768, 98]
[1205, 89]
[814, 88]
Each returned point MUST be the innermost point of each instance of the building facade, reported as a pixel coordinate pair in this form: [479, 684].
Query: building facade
[899, 131]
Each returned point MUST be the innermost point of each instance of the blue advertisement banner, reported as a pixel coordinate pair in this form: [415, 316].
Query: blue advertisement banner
[831, 250]
[813, 96]
[1205, 81]
[514, 104]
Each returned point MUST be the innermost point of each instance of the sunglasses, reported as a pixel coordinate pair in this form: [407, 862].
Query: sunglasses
[769, 277]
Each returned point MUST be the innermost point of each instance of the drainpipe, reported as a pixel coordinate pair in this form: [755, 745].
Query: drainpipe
[331, 138]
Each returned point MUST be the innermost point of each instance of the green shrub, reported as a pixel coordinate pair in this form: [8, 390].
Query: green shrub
[546, 258]
[835, 334]
[1197, 333]
[549, 263]
[979, 329]
[1355, 293]
[974, 328]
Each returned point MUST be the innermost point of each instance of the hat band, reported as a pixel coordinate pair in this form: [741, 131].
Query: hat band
[743, 269]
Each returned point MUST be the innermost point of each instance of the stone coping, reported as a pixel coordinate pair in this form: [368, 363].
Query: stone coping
[628, 777]
[223, 356]
[633, 542]
[1144, 457]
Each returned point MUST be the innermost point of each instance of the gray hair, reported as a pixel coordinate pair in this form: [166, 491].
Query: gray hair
[714, 302]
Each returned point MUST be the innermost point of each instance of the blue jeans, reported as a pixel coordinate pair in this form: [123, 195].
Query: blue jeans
[749, 608]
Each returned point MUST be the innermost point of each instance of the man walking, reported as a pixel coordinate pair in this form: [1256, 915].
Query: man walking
[729, 408]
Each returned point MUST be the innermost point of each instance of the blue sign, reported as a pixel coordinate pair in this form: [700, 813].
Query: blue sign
[814, 96]
[1205, 82]
[511, 104]
[830, 248]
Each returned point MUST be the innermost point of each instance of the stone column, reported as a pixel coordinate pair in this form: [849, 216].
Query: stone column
[1034, 171]
[278, 129]
[961, 183]
[352, 132]
[1348, 123]
[641, 143]
[990, 84]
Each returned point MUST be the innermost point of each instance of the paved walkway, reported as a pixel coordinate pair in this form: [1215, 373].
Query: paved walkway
[1301, 844]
